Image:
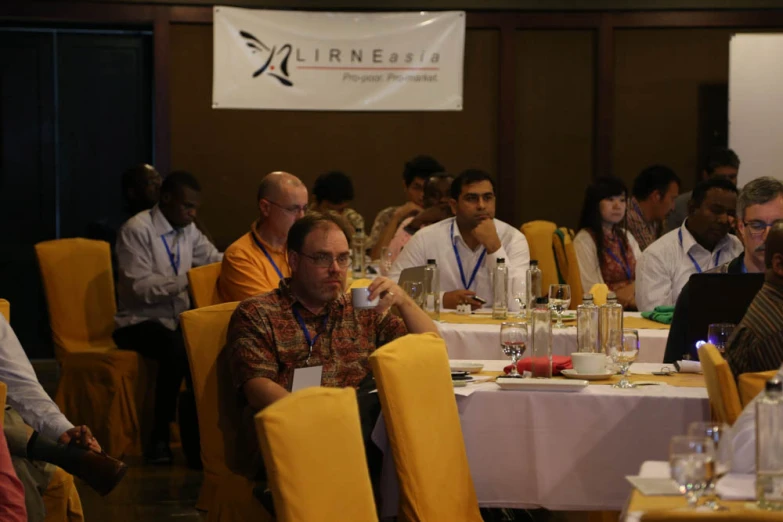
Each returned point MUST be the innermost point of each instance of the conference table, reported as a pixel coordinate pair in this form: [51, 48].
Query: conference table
[564, 450]
[477, 336]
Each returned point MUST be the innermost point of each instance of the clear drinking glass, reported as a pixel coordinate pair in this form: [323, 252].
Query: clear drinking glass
[386, 261]
[719, 435]
[718, 334]
[414, 289]
[519, 295]
[513, 342]
[691, 461]
[559, 301]
[623, 348]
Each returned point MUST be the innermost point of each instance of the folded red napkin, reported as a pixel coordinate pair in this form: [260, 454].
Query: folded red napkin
[559, 363]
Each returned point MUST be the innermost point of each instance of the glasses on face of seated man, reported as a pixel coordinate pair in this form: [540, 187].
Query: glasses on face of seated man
[326, 260]
[294, 209]
[757, 227]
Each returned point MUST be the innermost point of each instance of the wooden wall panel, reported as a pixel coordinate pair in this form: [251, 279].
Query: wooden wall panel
[554, 124]
[230, 150]
[658, 74]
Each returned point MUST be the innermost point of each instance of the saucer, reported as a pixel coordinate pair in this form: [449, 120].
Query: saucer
[466, 366]
[571, 374]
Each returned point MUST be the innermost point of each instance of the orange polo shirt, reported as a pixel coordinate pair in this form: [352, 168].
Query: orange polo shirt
[246, 271]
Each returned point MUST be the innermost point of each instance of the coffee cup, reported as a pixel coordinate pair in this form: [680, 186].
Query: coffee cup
[589, 363]
[361, 298]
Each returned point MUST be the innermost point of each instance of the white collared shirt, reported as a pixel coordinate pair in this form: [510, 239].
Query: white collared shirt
[152, 285]
[25, 393]
[665, 266]
[436, 242]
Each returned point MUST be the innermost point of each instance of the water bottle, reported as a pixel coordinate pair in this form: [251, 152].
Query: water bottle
[610, 318]
[533, 287]
[541, 339]
[769, 447]
[587, 326]
[500, 290]
[432, 290]
[357, 244]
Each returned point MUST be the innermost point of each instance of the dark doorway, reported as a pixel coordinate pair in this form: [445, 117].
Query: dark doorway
[75, 111]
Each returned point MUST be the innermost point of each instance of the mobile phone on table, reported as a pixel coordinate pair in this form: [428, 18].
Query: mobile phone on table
[479, 299]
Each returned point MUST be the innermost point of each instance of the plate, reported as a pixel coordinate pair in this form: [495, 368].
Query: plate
[466, 366]
[571, 374]
[540, 384]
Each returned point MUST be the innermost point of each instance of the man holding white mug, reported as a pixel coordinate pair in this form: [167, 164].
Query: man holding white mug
[309, 332]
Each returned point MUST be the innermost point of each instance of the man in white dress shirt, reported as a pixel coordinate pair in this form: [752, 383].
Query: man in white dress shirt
[700, 244]
[467, 246]
[155, 250]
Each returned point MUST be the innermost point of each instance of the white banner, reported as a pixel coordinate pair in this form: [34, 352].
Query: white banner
[301, 60]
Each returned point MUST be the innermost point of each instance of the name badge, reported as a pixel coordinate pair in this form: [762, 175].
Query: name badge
[307, 377]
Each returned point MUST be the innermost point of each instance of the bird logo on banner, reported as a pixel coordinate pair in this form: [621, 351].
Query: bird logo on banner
[283, 53]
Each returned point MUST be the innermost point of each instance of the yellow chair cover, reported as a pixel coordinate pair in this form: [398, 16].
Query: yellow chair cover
[226, 495]
[567, 264]
[721, 387]
[338, 487]
[99, 385]
[359, 283]
[751, 384]
[422, 422]
[539, 240]
[202, 282]
[62, 500]
[599, 291]
[5, 309]
[701, 516]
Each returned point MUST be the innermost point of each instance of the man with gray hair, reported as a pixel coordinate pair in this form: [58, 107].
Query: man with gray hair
[256, 262]
[757, 343]
[759, 205]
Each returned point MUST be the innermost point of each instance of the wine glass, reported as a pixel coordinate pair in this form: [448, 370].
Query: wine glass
[718, 334]
[513, 342]
[719, 434]
[414, 289]
[691, 465]
[386, 261]
[559, 301]
[623, 347]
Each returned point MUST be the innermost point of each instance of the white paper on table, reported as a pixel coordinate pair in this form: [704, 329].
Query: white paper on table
[737, 486]
[468, 390]
[650, 368]
[689, 366]
[654, 486]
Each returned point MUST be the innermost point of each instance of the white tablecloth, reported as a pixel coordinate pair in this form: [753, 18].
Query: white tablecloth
[482, 341]
[559, 450]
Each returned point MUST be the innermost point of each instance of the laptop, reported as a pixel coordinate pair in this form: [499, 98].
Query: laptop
[414, 273]
[719, 298]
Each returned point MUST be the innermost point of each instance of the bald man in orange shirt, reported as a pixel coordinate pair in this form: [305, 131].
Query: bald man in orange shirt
[255, 263]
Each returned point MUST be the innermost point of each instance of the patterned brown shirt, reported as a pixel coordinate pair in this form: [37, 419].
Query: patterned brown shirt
[757, 343]
[645, 232]
[266, 340]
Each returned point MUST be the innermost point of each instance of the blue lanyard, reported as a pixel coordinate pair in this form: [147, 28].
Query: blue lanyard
[274, 265]
[625, 266]
[310, 340]
[468, 284]
[698, 268]
[174, 261]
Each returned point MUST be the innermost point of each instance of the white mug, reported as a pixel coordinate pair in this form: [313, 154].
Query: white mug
[589, 363]
[360, 298]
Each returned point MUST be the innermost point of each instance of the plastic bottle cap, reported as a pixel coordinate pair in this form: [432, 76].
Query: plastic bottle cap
[501, 260]
[541, 300]
[431, 262]
[587, 297]
[533, 262]
[774, 385]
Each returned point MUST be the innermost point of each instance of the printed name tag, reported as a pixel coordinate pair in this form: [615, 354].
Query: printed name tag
[307, 377]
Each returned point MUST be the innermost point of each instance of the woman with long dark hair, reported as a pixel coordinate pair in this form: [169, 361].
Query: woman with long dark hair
[602, 223]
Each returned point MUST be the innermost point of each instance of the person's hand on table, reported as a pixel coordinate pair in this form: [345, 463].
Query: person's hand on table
[458, 297]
